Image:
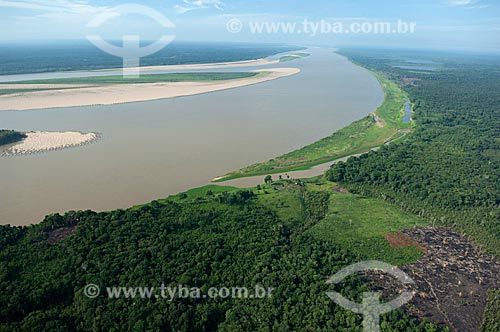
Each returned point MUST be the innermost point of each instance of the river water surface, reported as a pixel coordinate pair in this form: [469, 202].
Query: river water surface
[153, 149]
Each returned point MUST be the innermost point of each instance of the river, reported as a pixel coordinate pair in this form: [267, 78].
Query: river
[153, 149]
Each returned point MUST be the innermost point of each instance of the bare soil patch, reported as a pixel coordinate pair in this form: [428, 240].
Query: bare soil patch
[60, 234]
[451, 281]
[340, 189]
[400, 240]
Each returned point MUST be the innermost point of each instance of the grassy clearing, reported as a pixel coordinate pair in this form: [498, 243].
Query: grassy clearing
[285, 203]
[15, 91]
[293, 57]
[353, 222]
[201, 192]
[193, 194]
[287, 58]
[359, 225]
[359, 136]
[151, 78]
[277, 197]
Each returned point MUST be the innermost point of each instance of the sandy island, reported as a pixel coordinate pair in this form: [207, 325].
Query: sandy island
[43, 141]
[127, 93]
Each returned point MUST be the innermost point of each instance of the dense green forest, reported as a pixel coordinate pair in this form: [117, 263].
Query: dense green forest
[491, 321]
[448, 170]
[10, 136]
[201, 238]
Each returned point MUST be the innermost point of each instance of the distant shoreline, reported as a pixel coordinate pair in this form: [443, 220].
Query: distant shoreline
[143, 69]
[75, 56]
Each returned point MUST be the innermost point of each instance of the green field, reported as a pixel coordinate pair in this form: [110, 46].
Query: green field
[146, 78]
[14, 91]
[194, 194]
[351, 221]
[491, 322]
[286, 203]
[294, 56]
[358, 137]
[360, 223]
[277, 197]
[205, 191]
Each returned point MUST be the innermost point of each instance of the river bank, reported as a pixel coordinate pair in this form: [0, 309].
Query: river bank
[387, 124]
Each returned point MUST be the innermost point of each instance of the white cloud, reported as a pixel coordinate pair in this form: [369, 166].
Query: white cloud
[68, 6]
[467, 4]
[78, 7]
[189, 5]
[460, 2]
[54, 9]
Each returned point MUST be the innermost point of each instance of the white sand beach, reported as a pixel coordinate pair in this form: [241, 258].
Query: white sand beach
[126, 93]
[43, 141]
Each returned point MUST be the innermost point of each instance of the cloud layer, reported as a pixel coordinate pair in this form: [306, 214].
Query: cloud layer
[189, 5]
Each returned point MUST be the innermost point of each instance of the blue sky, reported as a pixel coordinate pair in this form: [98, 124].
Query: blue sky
[456, 24]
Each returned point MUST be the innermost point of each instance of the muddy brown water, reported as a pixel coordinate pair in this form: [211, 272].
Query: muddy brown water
[153, 149]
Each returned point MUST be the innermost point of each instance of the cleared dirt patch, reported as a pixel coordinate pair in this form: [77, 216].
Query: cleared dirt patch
[60, 234]
[340, 189]
[400, 240]
[451, 281]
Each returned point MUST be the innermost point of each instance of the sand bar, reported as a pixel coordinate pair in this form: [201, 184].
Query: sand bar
[127, 93]
[43, 141]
